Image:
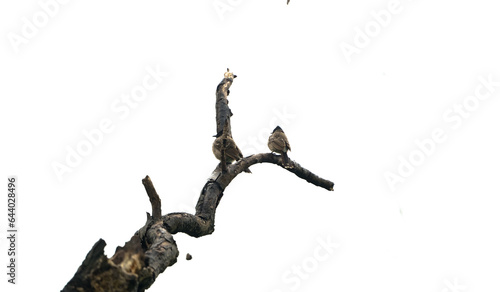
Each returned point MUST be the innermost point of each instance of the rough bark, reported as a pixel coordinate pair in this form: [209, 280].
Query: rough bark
[136, 265]
[222, 111]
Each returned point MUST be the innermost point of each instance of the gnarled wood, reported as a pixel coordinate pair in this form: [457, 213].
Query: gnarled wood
[152, 248]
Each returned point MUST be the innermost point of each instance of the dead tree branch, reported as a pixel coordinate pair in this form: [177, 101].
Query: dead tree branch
[291, 166]
[153, 197]
[136, 265]
[222, 111]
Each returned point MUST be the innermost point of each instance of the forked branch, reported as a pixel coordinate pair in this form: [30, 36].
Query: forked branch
[136, 265]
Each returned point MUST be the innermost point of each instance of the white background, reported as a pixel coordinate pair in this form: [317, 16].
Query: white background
[346, 121]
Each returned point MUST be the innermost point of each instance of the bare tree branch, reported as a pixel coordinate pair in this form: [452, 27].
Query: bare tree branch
[222, 111]
[153, 197]
[291, 166]
[152, 248]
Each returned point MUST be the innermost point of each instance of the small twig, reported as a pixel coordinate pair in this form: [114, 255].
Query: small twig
[153, 197]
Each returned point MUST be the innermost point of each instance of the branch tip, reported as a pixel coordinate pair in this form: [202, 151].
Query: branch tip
[153, 197]
[229, 75]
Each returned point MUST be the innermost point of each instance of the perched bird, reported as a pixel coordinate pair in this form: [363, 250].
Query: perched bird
[232, 152]
[278, 142]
